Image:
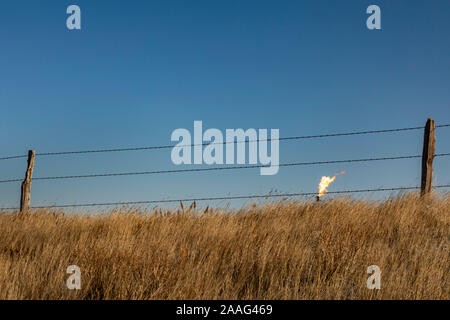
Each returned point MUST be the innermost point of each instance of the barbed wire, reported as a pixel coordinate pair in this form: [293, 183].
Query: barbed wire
[14, 157]
[97, 175]
[255, 196]
[224, 142]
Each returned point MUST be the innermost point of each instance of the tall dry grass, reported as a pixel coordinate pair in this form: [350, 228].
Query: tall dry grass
[282, 250]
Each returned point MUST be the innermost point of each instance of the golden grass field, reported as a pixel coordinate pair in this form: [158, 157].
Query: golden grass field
[279, 250]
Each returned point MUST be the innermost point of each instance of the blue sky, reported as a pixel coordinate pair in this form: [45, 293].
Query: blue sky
[137, 70]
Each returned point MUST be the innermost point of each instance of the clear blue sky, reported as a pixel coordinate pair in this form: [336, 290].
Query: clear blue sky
[140, 69]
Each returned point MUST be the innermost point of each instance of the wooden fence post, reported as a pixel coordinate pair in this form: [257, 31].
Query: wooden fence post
[429, 142]
[26, 184]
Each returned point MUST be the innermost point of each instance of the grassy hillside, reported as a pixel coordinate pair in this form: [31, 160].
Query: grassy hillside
[282, 250]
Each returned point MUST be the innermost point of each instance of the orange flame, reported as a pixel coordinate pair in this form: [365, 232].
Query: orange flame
[325, 182]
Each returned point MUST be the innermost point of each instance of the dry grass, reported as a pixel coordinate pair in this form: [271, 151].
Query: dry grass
[282, 250]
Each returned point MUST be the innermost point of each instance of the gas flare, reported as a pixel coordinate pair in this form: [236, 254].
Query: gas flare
[325, 182]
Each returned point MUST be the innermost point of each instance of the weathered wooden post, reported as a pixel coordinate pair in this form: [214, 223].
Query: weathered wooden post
[429, 142]
[26, 185]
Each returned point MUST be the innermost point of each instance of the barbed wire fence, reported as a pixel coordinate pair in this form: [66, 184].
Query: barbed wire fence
[427, 168]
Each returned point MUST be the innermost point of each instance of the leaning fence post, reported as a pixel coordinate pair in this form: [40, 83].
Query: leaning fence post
[26, 184]
[429, 142]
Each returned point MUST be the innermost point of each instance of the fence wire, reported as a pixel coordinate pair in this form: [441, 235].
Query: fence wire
[256, 196]
[225, 142]
[221, 168]
[98, 175]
